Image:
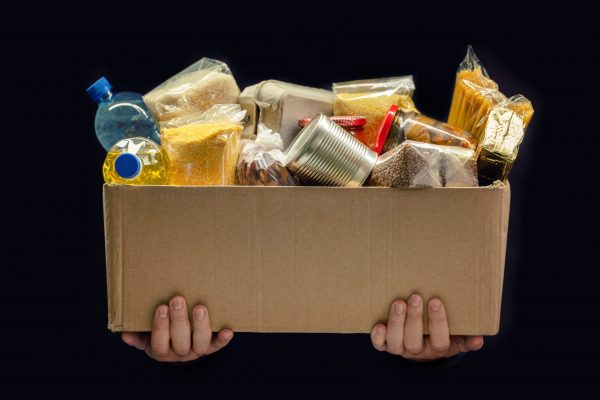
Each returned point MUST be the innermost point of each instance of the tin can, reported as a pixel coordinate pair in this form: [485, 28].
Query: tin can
[324, 154]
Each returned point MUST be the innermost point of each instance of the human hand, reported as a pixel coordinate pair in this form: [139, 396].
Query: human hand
[403, 334]
[172, 338]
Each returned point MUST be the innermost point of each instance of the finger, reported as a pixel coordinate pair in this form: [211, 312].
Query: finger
[474, 343]
[413, 328]
[202, 334]
[221, 340]
[159, 340]
[181, 334]
[439, 335]
[378, 337]
[135, 339]
[429, 354]
[394, 336]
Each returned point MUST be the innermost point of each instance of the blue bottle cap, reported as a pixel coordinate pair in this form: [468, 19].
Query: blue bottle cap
[128, 165]
[99, 88]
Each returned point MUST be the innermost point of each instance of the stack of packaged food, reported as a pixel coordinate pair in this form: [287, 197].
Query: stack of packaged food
[197, 128]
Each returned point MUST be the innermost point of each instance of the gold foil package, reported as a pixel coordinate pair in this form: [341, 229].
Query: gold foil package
[503, 134]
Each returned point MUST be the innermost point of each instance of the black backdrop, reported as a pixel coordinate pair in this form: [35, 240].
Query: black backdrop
[54, 284]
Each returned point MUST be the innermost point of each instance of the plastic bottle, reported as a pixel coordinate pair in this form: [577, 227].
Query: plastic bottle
[136, 161]
[121, 115]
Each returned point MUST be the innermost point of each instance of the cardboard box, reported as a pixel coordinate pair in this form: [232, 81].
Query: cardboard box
[280, 105]
[305, 259]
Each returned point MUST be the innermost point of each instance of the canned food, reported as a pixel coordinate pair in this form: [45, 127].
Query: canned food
[324, 154]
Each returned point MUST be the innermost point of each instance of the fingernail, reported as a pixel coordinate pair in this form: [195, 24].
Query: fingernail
[414, 300]
[199, 314]
[435, 305]
[399, 308]
[162, 312]
[177, 304]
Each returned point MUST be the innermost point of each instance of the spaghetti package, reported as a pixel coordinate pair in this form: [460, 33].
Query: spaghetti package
[476, 94]
[204, 148]
[372, 98]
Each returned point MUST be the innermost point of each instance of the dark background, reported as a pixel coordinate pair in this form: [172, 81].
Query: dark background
[54, 324]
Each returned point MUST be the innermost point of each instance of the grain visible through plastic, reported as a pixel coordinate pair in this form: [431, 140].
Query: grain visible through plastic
[193, 90]
[203, 154]
[373, 106]
[415, 164]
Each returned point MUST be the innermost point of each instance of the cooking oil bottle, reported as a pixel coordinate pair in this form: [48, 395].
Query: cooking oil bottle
[136, 161]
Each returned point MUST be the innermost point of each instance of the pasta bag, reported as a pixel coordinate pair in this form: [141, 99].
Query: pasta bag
[475, 93]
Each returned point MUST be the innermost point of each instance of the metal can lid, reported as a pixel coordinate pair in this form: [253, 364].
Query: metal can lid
[345, 121]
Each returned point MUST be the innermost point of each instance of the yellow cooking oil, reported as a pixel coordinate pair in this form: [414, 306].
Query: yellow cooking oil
[136, 161]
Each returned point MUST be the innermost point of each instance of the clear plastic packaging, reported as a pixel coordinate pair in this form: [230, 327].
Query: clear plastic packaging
[195, 89]
[261, 161]
[136, 161]
[520, 105]
[372, 98]
[409, 125]
[415, 164]
[476, 94]
[203, 149]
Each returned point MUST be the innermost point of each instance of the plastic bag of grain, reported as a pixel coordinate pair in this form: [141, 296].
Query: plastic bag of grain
[203, 149]
[415, 164]
[193, 90]
[372, 98]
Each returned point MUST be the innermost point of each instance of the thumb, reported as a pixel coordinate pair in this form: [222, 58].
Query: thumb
[135, 339]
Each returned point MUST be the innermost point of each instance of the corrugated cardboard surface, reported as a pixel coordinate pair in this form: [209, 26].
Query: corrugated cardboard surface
[305, 259]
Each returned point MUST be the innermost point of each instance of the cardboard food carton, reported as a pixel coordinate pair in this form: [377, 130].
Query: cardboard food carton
[280, 105]
[305, 259]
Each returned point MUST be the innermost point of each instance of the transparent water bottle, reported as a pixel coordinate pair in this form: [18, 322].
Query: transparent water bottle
[120, 115]
[136, 161]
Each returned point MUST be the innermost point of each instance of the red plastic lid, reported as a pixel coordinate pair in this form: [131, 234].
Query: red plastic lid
[345, 121]
[384, 129]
